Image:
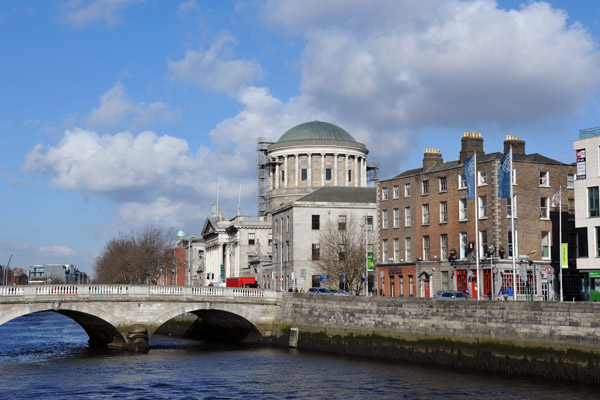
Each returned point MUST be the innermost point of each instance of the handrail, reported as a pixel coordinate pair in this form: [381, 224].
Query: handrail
[87, 291]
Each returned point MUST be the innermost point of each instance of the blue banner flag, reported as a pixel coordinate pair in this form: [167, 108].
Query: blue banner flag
[470, 177]
[504, 177]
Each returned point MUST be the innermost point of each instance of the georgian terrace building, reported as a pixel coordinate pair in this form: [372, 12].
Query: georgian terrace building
[427, 226]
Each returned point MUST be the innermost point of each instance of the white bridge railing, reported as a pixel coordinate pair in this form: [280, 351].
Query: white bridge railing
[132, 291]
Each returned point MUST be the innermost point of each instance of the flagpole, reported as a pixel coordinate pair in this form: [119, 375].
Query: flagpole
[476, 226]
[512, 224]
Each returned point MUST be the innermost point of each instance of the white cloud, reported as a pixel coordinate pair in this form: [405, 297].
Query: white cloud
[80, 12]
[116, 107]
[56, 251]
[215, 68]
[161, 212]
[388, 68]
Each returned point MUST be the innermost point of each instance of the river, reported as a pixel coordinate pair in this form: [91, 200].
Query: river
[46, 356]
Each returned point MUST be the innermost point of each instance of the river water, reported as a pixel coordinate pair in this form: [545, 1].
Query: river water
[46, 356]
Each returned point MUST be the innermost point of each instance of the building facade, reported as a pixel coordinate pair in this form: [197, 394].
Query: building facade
[298, 232]
[587, 211]
[426, 222]
[233, 245]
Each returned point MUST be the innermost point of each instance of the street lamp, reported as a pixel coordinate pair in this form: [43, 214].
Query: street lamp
[558, 195]
[366, 225]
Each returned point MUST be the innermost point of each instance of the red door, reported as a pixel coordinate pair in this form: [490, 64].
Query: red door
[426, 288]
[474, 286]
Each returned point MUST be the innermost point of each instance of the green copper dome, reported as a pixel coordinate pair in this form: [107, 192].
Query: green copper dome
[316, 130]
[180, 234]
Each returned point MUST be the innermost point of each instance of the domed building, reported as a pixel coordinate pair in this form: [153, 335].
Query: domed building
[308, 157]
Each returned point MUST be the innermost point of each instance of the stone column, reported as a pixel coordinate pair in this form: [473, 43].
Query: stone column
[297, 171]
[355, 171]
[322, 169]
[277, 175]
[309, 155]
[286, 174]
[335, 169]
[346, 170]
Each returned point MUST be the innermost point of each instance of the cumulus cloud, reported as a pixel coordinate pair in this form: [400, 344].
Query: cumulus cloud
[161, 212]
[57, 251]
[83, 12]
[116, 107]
[216, 68]
[393, 67]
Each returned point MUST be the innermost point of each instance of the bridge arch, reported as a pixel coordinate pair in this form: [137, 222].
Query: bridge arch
[100, 331]
[216, 322]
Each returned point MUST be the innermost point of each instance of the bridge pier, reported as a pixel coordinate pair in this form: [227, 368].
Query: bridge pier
[137, 339]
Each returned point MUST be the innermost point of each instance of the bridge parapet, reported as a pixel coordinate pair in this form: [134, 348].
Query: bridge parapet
[87, 291]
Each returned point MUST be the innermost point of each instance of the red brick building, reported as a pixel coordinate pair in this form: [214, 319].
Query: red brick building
[425, 219]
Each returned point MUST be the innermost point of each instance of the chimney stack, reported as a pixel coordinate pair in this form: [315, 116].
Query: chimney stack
[471, 142]
[431, 158]
[518, 145]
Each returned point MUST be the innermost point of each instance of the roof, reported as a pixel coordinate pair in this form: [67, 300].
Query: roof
[316, 130]
[526, 158]
[342, 194]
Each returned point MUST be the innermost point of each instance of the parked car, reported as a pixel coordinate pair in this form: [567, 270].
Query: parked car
[340, 292]
[319, 290]
[450, 295]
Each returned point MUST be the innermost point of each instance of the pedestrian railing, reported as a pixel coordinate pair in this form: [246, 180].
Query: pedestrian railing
[88, 291]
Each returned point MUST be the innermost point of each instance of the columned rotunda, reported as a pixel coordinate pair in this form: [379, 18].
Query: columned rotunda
[308, 157]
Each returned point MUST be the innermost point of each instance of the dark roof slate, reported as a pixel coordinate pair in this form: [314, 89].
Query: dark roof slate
[343, 194]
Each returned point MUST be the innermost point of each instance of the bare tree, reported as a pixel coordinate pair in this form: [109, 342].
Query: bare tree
[136, 258]
[343, 251]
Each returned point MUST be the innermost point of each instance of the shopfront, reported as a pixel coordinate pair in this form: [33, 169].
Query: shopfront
[397, 280]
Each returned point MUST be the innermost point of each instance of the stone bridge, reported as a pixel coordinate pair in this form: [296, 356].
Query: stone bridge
[126, 316]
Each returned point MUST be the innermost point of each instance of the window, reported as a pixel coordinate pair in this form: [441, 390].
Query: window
[443, 212]
[282, 176]
[514, 176]
[571, 206]
[425, 219]
[341, 222]
[482, 207]
[251, 239]
[316, 223]
[443, 184]
[270, 239]
[407, 218]
[510, 244]
[544, 208]
[411, 289]
[425, 187]
[396, 192]
[251, 258]
[482, 177]
[426, 248]
[544, 178]
[483, 243]
[443, 246]
[384, 219]
[401, 281]
[349, 176]
[545, 244]
[407, 190]
[407, 249]
[328, 174]
[369, 223]
[384, 193]
[462, 210]
[396, 217]
[462, 181]
[593, 202]
[341, 252]
[570, 181]
[597, 229]
[509, 208]
[384, 250]
[287, 223]
[304, 174]
[464, 243]
[396, 250]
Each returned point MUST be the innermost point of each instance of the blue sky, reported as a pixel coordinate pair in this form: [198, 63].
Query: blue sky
[119, 114]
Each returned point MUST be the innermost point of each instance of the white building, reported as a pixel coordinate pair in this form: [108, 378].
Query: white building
[587, 209]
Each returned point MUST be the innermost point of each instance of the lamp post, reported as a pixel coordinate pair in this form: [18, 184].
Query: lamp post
[558, 195]
[366, 225]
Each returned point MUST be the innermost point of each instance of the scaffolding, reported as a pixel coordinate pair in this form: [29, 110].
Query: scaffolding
[264, 169]
[372, 172]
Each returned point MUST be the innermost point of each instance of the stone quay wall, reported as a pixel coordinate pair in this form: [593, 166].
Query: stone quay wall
[541, 339]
